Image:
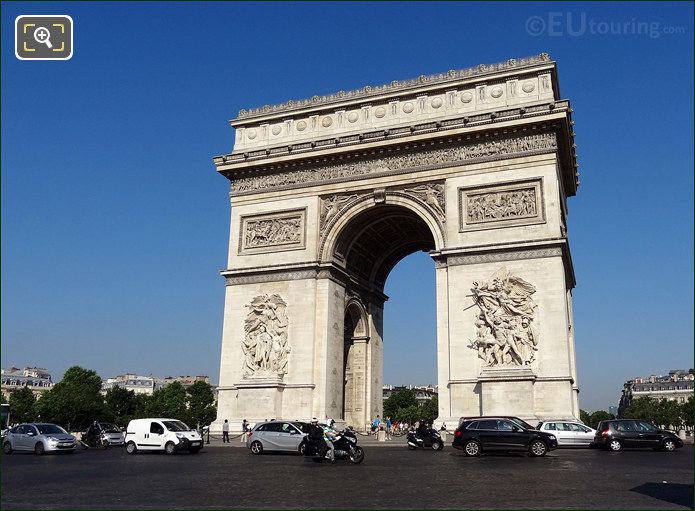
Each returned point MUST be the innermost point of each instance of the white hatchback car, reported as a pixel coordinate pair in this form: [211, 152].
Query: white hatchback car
[568, 433]
[168, 435]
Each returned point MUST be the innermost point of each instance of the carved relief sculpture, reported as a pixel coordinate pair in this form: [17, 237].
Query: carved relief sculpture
[397, 163]
[265, 345]
[273, 231]
[506, 326]
[432, 195]
[333, 205]
[500, 205]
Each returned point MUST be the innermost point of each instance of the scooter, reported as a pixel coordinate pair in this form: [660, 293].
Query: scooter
[432, 439]
[345, 445]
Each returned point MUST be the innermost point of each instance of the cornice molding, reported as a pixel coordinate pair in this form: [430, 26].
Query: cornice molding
[368, 91]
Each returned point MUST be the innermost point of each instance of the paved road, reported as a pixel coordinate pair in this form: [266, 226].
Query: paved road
[390, 477]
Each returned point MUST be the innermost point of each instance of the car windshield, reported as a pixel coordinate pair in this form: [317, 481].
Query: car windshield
[176, 426]
[109, 428]
[48, 429]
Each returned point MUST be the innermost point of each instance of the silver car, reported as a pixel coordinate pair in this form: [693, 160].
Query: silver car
[39, 438]
[277, 436]
[112, 433]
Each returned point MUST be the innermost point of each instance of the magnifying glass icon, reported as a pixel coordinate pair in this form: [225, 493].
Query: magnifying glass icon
[43, 36]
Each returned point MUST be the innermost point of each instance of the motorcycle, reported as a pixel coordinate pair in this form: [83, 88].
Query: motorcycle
[345, 445]
[431, 439]
[94, 438]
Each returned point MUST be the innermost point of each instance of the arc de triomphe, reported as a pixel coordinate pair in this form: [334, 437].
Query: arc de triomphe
[330, 193]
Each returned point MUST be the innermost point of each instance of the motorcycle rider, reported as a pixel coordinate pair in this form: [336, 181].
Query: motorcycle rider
[422, 430]
[329, 435]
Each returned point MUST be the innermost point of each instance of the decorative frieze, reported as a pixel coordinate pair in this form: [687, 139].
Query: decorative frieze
[272, 232]
[413, 160]
[265, 345]
[506, 326]
[431, 194]
[501, 205]
[493, 257]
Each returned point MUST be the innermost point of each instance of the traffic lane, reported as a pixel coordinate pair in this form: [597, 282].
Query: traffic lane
[395, 478]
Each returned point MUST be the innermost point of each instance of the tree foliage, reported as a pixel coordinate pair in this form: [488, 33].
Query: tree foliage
[664, 412]
[74, 402]
[400, 399]
[22, 403]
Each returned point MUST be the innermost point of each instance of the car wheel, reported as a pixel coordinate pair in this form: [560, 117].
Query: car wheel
[437, 446]
[538, 448]
[39, 449]
[170, 448]
[472, 448]
[256, 447]
[131, 448]
[669, 445]
[615, 445]
[7, 448]
[302, 448]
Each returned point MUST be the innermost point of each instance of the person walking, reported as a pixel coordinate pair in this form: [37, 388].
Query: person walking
[244, 431]
[225, 432]
[388, 428]
[375, 425]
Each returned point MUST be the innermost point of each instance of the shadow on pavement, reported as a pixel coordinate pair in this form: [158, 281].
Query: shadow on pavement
[681, 494]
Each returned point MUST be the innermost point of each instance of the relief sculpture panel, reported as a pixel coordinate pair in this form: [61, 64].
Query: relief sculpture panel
[506, 325]
[272, 232]
[265, 345]
[501, 205]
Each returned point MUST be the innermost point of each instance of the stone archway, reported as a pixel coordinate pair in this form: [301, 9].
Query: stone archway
[474, 167]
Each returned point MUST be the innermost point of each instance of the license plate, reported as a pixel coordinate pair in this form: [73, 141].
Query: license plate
[195, 442]
[65, 444]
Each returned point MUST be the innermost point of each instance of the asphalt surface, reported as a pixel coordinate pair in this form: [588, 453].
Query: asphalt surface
[390, 477]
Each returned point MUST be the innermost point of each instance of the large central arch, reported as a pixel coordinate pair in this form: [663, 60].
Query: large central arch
[473, 167]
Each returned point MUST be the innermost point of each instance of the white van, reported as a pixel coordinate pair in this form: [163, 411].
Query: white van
[168, 435]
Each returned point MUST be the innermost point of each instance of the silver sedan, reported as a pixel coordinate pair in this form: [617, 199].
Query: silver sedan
[277, 436]
[38, 438]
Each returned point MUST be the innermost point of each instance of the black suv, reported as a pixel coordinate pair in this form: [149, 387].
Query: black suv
[616, 434]
[475, 436]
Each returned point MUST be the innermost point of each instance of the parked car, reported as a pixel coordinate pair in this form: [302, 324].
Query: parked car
[614, 435]
[568, 433]
[475, 436]
[39, 438]
[168, 435]
[277, 436]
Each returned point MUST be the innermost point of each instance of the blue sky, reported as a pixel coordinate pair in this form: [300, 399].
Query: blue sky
[115, 224]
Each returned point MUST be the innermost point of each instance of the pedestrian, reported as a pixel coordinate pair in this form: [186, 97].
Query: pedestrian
[388, 428]
[375, 425]
[225, 432]
[244, 431]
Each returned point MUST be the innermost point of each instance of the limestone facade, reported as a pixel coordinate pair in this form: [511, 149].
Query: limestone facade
[328, 194]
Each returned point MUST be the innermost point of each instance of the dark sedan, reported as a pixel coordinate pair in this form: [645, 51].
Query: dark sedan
[475, 436]
[616, 434]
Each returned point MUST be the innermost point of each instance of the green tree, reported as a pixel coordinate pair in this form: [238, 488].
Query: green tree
[74, 402]
[170, 401]
[430, 409]
[642, 408]
[22, 403]
[121, 405]
[598, 416]
[585, 417]
[686, 413]
[201, 404]
[401, 399]
[409, 414]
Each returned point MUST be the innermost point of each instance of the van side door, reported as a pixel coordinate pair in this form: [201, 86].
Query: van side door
[157, 435]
